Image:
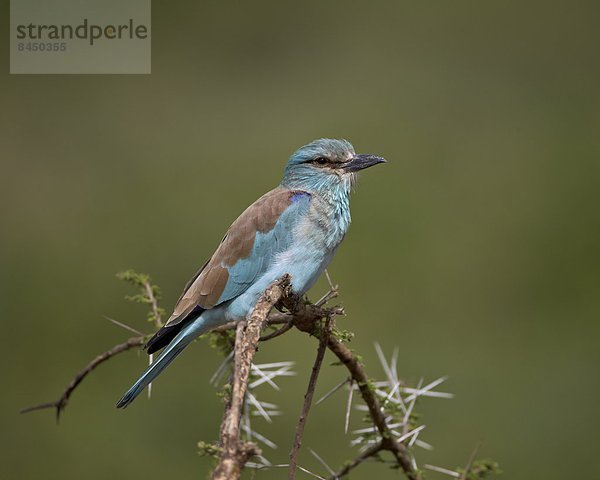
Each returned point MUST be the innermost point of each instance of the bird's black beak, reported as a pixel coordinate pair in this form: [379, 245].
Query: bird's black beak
[360, 162]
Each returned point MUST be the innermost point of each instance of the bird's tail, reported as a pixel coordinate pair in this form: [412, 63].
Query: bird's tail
[182, 340]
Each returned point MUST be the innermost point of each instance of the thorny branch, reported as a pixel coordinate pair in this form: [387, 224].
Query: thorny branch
[235, 452]
[62, 401]
[306, 317]
[150, 294]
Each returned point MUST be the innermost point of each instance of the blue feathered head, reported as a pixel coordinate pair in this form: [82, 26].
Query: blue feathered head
[325, 164]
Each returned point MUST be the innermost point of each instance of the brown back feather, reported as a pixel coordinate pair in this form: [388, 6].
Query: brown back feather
[207, 286]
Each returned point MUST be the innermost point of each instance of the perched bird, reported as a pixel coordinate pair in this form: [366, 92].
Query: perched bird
[295, 228]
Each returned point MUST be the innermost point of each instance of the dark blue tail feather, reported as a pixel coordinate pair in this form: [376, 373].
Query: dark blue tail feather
[182, 340]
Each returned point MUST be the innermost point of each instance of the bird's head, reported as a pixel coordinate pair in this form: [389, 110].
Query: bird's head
[325, 165]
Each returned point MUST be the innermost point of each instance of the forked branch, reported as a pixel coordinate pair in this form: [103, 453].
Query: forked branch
[305, 318]
[62, 401]
[316, 320]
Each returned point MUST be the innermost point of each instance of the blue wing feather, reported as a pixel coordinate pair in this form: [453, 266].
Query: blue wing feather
[266, 247]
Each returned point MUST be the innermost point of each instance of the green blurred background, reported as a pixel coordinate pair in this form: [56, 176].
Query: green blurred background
[476, 250]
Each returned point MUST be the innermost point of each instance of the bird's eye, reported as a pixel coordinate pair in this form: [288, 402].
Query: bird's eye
[319, 160]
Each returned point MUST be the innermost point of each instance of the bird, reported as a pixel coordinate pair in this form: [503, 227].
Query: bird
[293, 229]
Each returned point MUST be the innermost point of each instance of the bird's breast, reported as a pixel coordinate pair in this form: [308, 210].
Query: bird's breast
[327, 222]
[314, 240]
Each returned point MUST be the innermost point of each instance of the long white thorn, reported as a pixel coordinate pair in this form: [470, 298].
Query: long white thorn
[424, 445]
[217, 375]
[410, 434]
[150, 360]
[371, 429]
[259, 437]
[305, 470]
[332, 391]
[124, 325]
[327, 467]
[267, 376]
[384, 364]
[259, 407]
[264, 377]
[348, 407]
[425, 391]
[445, 471]
[264, 366]
[391, 374]
[406, 418]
